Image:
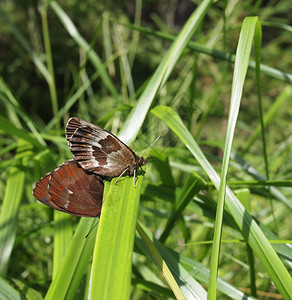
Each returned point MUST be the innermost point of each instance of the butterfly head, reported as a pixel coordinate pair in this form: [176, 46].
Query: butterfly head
[142, 161]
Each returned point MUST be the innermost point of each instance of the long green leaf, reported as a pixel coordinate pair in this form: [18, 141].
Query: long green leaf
[7, 292]
[71, 271]
[28, 292]
[14, 107]
[181, 283]
[112, 259]
[9, 128]
[10, 207]
[192, 186]
[93, 57]
[249, 228]
[196, 47]
[138, 114]
[25, 44]
[241, 64]
[62, 237]
[269, 117]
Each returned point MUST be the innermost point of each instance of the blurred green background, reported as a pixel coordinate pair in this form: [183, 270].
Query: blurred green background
[48, 75]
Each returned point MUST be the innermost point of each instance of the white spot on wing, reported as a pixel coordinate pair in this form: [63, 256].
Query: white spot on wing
[96, 163]
[66, 205]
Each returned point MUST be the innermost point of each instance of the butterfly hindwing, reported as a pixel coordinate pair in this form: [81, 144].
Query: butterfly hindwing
[70, 189]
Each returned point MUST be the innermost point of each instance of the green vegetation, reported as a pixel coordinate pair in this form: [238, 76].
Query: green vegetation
[214, 82]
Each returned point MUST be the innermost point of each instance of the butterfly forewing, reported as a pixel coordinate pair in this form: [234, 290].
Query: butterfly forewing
[99, 151]
[71, 189]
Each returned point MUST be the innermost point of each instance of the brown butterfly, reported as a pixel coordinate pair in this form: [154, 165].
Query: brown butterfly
[76, 186]
[100, 152]
[70, 189]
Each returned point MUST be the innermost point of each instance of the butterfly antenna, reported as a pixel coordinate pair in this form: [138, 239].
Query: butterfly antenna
[158, 138]
[91, 230]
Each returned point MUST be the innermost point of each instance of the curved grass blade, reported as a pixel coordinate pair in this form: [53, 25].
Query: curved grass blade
[179, 280]
[24, 43]
[75, 262]
[62, 236]
[270, 116]
[93, 57]
[249, 228]
[15, 109]
[10, 129]
[225, 56]
[191, 187]
[7, 292]
[10, 206]
[137, 116]
[250, 28]
[28, 292]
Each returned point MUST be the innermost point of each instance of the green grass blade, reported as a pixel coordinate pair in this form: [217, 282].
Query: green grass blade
[108, 47]
[93, 57]
[200, 272]
[196, 47]
[75, 262]
[24, 43]
[269, 116]
[28, 292]
[160, 162]
[191, 187]
[49, 58]
[7, 127]
[112, 258]
[243, 196]
[178, 279]
[138, 114]
[9, 209]
[249, 228]
[14, 107]
[7, 292]
[240, 68]
[62, 237]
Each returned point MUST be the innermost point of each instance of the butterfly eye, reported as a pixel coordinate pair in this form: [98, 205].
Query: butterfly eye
[60, 188]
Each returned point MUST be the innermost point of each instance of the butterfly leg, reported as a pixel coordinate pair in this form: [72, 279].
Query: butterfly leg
[134, 179]
[121, 175]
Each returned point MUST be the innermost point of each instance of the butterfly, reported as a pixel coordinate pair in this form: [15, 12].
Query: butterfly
[70, 189]
[76, 186]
